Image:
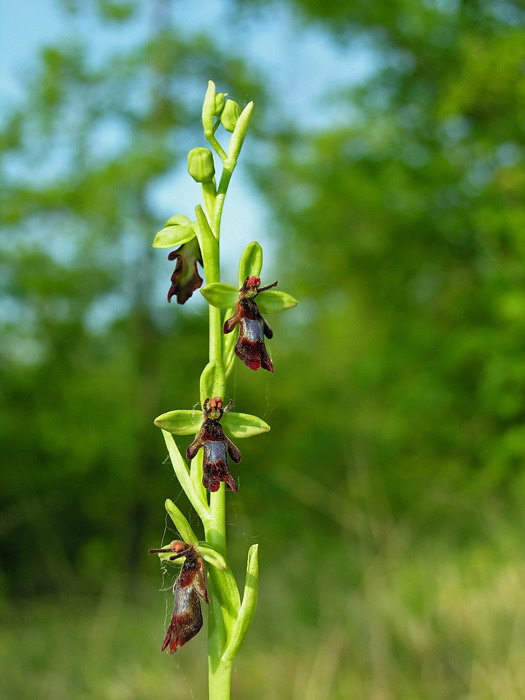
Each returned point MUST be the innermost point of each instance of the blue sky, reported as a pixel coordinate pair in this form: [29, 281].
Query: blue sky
[299, 61]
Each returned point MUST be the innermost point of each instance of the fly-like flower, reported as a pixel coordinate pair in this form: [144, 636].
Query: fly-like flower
[250, 347]
[216, 447]
[185, 278]
[189, 586]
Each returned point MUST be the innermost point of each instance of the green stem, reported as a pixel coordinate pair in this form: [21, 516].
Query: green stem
[223, 603]
[220, 681]
[224, 594]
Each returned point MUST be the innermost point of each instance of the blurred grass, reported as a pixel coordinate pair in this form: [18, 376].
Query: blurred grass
[423, 621]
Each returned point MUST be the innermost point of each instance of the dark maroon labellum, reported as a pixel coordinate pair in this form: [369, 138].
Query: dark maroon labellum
[189, 586]
[216, 447]
[250, 347]
[185, 278]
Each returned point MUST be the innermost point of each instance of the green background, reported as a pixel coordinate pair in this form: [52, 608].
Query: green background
[388, 497]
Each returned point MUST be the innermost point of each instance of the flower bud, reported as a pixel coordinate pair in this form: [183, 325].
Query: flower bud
[220, 99]
[230, 114]
[200, 164]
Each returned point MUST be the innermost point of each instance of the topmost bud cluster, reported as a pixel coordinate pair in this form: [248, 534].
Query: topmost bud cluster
[216, 110]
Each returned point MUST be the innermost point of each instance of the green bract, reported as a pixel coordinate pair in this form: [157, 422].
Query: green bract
[239, 133]
[249, 601]
[208, 108]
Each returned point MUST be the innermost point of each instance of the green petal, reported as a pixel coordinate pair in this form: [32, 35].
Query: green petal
[271, 301]
[223, 296]
[173, 236]
[212, 556]
[251, 262]
[178, 220]
[180, 422]
[243, 425]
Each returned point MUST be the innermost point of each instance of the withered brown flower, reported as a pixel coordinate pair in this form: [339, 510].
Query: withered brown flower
[189, 586]
[185, 278]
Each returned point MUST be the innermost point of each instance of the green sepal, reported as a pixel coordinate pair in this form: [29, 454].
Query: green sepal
[179, 220]
[173, 235]
[180, 422]
[219, 100]
[222, 296]
[251, 262]
[271, 302]
[184, 422]
[230, 115]
[200, 164]
[212, 556]
[212, 382]
[247, 609]
[182, 525]
[243, 425]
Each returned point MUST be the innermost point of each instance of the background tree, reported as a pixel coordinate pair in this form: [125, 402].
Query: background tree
[83, 351]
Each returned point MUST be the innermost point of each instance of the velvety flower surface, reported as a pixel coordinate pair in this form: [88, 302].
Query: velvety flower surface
[189, 586]
[250, 346]
[216, 447]
[185, 278]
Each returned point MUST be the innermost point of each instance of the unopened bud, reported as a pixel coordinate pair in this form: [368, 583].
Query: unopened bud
[200, 164]
[230, 114]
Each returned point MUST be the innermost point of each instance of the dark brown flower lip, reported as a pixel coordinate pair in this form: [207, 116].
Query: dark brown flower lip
[250, 346]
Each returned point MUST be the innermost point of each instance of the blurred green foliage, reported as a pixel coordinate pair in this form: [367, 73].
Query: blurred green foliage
[388, 496]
